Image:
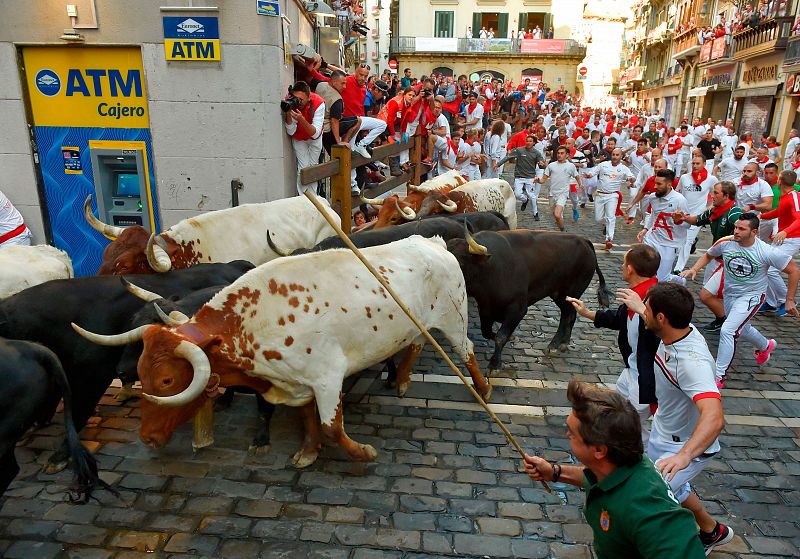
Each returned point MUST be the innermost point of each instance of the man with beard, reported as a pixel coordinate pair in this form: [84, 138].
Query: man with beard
[660, 230]
[731, 168]
[755, 195]
[611, 176]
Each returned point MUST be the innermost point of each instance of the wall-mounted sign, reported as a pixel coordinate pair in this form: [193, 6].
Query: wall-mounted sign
[72, 160]
[191, 38]
[760, 74]
[792, 84]
[268, 8]
[717, 79]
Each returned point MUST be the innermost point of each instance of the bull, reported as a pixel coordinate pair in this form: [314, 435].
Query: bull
[474, 196]
[393, 210]
[31, 376]
[43, 314]
[25, 266]
[508, 271]
[293, 329]
[219, 236]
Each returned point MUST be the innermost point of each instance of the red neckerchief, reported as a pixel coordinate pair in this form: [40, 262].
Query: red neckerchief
[700, 176]
[772, 145]
[745, 183]
[796, 165]
[718, 211]
[471, 107]
[572, 152]
[451, 144]
[764, 161]
[641, 290]
[641, 153]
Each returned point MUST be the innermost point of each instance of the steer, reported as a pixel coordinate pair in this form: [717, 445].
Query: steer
[509, 271]
[393, 210]
[447, 228]
[218, 236]
[475, 196]
[43, 313]
[32, 380]
[25, 266]
[294, 328]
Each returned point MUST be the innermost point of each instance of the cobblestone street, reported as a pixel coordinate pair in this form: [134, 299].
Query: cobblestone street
[445, 483]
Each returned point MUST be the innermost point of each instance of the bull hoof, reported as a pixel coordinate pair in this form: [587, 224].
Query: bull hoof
[487, 394]
[202, 442]
[303, 459]
[255, 450]
[563, 347]
[367, 454]
[402, 388]
[551, 350]
[51, 468]
[124, 394]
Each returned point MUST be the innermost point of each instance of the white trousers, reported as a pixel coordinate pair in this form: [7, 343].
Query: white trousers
[628, 386]
[23, 238]
[590, 184]
[668, 255]
[658, 448]
[374, 128]
[632, 209]
[527, 189]
[739, 311]
[683, 255]
[307, 154]
[682, 163]
[605, 209]
[776, 287]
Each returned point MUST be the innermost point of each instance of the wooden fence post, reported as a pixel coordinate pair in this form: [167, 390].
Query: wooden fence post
[340, 185]
[415, 159]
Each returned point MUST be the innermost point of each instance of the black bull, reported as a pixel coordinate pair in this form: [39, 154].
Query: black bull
[101, 304]
[521, 267]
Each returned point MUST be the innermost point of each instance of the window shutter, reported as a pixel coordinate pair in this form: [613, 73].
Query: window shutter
[523, 21]
[548, 21]
[476, 25]
[502, 26]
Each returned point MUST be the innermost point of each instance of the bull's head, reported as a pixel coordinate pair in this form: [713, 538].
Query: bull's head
[437, 203]
[469, 253]
[392, 211]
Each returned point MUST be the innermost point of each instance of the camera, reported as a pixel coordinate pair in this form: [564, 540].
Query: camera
[427, 91]
[291, 102]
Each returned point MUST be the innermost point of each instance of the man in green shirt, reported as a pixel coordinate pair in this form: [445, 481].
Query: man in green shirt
[630, 508]
[721, 217]
[651, 135]
[405, 81]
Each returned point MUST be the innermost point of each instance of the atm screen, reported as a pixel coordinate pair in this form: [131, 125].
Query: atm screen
[127, 184]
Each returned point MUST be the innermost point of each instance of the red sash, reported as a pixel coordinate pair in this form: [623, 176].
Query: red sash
[13, 233]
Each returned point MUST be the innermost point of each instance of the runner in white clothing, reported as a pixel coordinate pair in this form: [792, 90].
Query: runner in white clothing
[660, 230]
[561, 173]
[790, 154]
[689, 418]
[695, 187]
[611, 176]
[12, 227]
[746, 259]
[639, 159]
[755, 195]
[731, 168]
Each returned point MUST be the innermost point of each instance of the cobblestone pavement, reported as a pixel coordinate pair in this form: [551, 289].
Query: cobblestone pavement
[445, 484]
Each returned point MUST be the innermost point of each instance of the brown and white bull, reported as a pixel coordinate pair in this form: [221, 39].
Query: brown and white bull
[22, 267]
[393, 210]
[294, 328]
[475, 196]
[220, 236]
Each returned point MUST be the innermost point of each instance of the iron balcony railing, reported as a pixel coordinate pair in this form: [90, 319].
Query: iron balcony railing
[567, 47]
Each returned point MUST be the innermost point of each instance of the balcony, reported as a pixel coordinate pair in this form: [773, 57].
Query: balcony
[438, 45]
[659, 35]
[686, 44]
[767, 36]
[630, 76]
[715, 53]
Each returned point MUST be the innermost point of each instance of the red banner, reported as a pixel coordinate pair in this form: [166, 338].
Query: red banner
[542, 46]
[705, 51]
[718, 48]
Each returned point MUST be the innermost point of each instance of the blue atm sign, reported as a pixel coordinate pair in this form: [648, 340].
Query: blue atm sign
[191, 38]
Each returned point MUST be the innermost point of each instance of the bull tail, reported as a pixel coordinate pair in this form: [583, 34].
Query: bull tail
[603, 294]
[86, 478]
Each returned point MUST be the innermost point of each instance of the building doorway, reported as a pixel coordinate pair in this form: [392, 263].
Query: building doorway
[490, 20]
[529, 21]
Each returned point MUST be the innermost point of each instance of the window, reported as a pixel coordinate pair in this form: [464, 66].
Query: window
[443, 24]
[494, 21]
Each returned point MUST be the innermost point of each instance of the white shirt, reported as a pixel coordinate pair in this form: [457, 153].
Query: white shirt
[747, 194]
[662, 230]
[316, 121]
[443, 152]
[10, 218]
[746, 267]
[472, 150]
[561, 176]
[761, 165]
[493, 148]
[477, 112]
[612, 178]
[698, 132]
[731, 169]
[688, 143]
[791, 151]
[728, 144]
[638, 162]
[440, 121]
[696, 194]
[684, 375]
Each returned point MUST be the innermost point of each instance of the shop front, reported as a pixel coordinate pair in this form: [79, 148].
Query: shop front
[791, 103]
[756, 96]
[713, 93]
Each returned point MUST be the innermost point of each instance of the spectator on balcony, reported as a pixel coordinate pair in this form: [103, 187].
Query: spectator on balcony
[537, 32]
[550, 33]
[483, 34]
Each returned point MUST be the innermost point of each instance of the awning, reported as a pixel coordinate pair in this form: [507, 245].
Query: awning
[768, 91]
[698, 91]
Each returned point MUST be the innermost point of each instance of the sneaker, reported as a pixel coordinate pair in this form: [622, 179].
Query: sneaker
[524, 205]
[763, 356]
[380, 164]
[781, 310]
[576, 215]
[536, 216]
[362, 151]
[720, 384]
[609, 245]
[766, 307]
[591, 198]
[715, 325]
[354, 190]
[720, 536]
[583, 204]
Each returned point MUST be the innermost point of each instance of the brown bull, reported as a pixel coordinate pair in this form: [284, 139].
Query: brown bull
[394, 210]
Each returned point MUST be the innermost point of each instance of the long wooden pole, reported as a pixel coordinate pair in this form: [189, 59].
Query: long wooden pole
[419, 325]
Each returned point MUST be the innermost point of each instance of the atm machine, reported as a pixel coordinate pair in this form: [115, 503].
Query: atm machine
[122, 184]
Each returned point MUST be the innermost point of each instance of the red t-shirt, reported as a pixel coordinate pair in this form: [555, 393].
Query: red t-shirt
[353, 97]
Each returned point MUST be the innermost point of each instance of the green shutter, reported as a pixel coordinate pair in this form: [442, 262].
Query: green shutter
[548, 21]
[502, 26]
[476, 25]
[523, 22]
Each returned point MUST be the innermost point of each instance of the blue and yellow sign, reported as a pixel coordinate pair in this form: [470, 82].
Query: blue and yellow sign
[191, 38]
[99, 87]
[268, 8]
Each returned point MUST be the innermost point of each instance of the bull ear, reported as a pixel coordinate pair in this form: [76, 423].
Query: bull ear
[211, 343]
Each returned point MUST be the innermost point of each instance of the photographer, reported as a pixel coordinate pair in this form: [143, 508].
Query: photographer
[304, 113]
[418, 116]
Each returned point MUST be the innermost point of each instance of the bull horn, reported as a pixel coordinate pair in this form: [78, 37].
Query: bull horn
[449, 207]
[474, 246]
[157, 257]
[141, 293]
[104, 228]
[202, 373]
[372, 201]
[413, 187]
[173, 319]
[275, 249]
[405, 211]
[125, 338]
